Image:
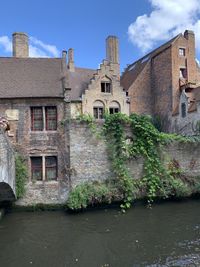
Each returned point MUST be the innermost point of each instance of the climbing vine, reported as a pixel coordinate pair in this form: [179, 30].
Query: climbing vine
[158, 180]
[115, 137]
[21, 175]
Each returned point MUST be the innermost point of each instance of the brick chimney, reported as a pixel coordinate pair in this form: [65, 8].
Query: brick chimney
[71, 59]
[191, 58]
[20, 44]
[112, 49]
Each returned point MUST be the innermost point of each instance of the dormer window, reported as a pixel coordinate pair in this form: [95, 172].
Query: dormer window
[182, 52]
[105, 87]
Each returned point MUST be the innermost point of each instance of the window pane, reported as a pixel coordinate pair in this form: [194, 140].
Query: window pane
[36, 168]
[103, 87]
[95, 113]
[107, 87]
[182, 51]
[183, 110]
[36, 119]
[51, 118]
[51, 168]
[100, 113]
[113, 110]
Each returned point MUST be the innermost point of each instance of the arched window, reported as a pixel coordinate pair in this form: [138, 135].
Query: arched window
[98, 109]
[183, 110]
[114, 107]
[106, 85]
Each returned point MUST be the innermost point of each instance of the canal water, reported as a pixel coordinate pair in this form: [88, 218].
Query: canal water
[166, 235]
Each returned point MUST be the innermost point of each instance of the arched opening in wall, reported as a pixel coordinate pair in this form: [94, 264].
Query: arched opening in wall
[183, 110]
[106, 85]
[114, 107]
[98, 109]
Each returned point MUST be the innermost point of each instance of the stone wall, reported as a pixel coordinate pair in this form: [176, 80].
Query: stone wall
[89, 156]
[7, 169]
[89, 161]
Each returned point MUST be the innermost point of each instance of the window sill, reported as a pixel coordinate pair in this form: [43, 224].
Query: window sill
[45, 131]
[45, 182]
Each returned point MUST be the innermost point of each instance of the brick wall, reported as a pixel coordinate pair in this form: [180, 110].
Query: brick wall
[140, 93]
[89, 161]
[89, 156]
[40, 143]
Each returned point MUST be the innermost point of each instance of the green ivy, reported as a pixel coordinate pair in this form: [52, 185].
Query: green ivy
[21, 175]
[158, 180]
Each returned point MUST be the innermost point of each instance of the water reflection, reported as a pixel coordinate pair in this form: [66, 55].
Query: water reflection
[167, 235]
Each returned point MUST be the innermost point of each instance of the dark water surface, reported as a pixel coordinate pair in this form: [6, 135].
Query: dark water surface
[166, 235]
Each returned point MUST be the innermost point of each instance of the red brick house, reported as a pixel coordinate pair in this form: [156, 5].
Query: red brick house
[154, 82]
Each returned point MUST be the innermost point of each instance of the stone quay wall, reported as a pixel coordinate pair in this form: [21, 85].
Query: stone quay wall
[89, 161]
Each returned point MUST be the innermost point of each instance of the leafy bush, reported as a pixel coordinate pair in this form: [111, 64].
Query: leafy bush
[89, 193]
[21, 175]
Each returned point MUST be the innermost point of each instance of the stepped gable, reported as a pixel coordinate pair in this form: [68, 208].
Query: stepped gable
[79, 81]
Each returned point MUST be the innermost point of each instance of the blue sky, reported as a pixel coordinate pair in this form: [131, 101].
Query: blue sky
[141, 25]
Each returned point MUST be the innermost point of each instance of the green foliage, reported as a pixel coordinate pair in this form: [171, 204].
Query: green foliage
[89, 119]
[89, 193]
[158, 181]
[114, 133]
[21, 175]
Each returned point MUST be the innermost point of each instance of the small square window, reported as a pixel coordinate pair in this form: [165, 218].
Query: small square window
[113, 110]
[181, 51]
[105, 87]
[44, 168]
[98, 112]
[44, 118]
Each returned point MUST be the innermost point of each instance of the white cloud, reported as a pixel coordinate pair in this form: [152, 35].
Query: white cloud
[168, 18]
[41, 47]
[37, 48]
[5, 43]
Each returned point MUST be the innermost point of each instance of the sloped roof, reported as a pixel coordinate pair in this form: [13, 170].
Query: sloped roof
[196, 93]
[192, 107]
[78, 81]
[133, 70]
[30, 77]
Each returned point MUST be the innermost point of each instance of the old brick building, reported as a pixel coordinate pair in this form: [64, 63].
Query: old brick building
[154, 83]
[93, 91]
[38, 96]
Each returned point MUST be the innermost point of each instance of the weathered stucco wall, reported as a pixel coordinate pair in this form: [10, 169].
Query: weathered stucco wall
[7, 169]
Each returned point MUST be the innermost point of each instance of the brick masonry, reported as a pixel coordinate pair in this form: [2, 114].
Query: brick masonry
[88, 158]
